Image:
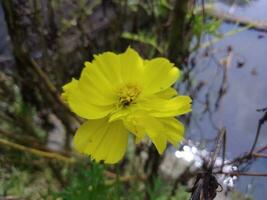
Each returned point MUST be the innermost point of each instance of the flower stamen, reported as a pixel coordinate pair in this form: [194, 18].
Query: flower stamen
[128, 94]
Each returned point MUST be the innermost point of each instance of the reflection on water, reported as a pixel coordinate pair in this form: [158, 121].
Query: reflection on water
[254, 9]
[238, 63]
[237, 2]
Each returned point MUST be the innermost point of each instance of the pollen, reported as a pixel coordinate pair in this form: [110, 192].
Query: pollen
[128, 94]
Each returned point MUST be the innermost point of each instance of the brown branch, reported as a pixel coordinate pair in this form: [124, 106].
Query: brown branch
[243, 174]
[259, 25]
[26, 139]
[219, 143]
[16, 136]
[261, 149]
[261, 121]
[246, 157]
[259, 155]
[37, 152]
[11, 198]
[51, 88]
[124, 178]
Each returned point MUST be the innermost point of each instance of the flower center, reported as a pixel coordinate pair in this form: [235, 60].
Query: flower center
[128, 94]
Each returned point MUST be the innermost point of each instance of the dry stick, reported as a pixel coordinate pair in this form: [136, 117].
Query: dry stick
[251, 155]
[217, 148]
[59, 157]
[227, 17]
[260, 123]
[54, 155]
[15, 136]
[246, 156]
[125, 178]
[224, 150]
[51, 88]
[206, 184]
[31, 140]
[259, 155]
[243, 174]
[12, 198]
[261, 149]
[37, 152]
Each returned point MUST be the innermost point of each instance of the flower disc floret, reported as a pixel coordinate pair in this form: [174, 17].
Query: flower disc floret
[128, 94]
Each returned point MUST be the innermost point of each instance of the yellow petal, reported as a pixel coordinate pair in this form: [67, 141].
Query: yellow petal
[159, 74]
[131, 66]
[168, 93]
[134, 125]
[67, 88]
[140, 125]
[154, 130]
[102, 140]
[121, 113]
[174, 130]
[159, 130]
[95, 87]
[159, 107]
[82, 138]
[82, 106]
[110, 65]
[160, 142]
[80, 103]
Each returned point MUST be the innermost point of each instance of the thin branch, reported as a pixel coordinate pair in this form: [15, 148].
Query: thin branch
[259, 155]
[37, 152]
[243, 174]
[51, 88]
[57, 156]
[224, 150]
[247, 157]
[259, 25]
[26, 139]
[260, 123]
[261, 149]
[219, 143]
[124, 178]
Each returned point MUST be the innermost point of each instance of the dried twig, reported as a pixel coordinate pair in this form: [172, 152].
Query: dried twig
[206, 184]
[243, 174]
[260, 123]
[37, 152]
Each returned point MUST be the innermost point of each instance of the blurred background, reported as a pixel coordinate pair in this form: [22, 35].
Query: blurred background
[221, 48]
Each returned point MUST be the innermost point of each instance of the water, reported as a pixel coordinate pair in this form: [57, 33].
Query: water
[246, 92]
[252, 9]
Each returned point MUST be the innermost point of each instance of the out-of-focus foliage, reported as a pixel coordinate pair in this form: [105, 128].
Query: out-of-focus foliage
[210, 27]
[87, 184]
[23, 184]
[143, 38]
[91, 184]
[160, 189]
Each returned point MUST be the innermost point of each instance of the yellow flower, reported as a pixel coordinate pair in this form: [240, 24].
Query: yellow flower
[122, 93]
